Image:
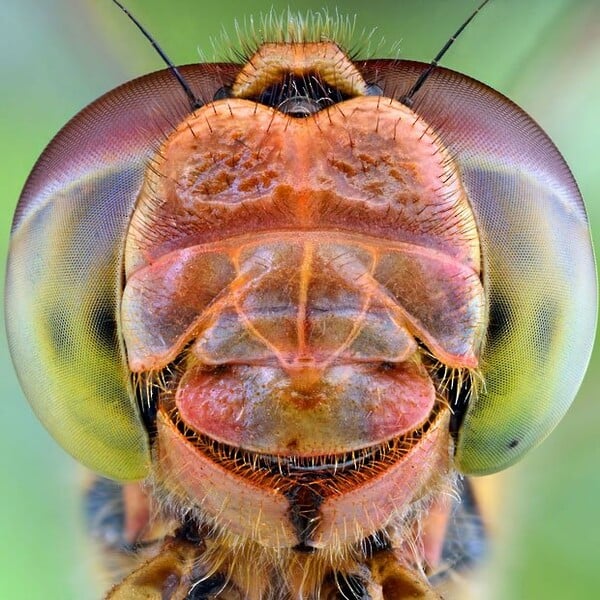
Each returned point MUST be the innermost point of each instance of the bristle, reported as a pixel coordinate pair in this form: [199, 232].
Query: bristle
[290, 27]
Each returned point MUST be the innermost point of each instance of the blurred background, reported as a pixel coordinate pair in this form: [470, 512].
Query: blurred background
[58, 55]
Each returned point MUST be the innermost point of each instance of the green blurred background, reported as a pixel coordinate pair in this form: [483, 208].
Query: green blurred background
[58, 55]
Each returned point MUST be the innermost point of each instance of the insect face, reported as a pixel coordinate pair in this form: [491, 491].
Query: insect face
[295, 297]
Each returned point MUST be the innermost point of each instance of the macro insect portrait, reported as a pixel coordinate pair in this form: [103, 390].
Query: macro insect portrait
[288, 305]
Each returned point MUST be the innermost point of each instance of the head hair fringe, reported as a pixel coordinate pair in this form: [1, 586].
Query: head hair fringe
[292, 27]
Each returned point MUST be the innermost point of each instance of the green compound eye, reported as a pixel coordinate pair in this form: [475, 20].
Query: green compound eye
[541, 290]
[63, 293]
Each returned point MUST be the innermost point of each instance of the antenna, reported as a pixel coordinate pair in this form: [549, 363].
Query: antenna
[194, 100]
[407, 99]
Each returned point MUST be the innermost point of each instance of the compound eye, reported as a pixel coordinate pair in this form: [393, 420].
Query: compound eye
[538, 264]
[64, 273]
